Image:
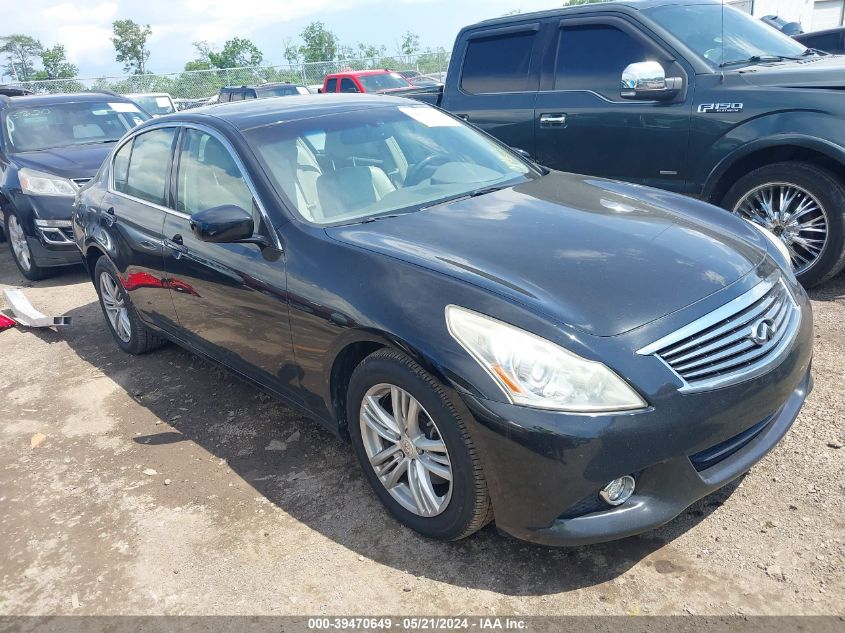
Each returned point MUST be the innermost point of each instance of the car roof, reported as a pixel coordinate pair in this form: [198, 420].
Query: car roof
[269, 84]
[637, 5]
[253, 113]
[76, 97]
[374, 71]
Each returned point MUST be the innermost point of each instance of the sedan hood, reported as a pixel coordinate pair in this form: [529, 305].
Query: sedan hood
[79, 161]
[602, 256]
[814, 72]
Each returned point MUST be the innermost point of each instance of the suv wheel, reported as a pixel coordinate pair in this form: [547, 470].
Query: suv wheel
[804, 206]
[21, 252]
[130, 333]
[414, 448]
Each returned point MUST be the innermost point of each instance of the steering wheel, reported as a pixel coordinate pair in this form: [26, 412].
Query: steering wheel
[417, 172]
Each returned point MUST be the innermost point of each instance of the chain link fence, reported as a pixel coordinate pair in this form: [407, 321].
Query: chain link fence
[203, 84]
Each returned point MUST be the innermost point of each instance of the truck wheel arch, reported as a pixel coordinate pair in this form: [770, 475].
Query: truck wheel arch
[777, 149]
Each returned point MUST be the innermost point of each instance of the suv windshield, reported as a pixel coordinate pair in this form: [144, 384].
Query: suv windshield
[386, 81]
[37, 127]
[359, 165]
[284, 91]
[745, 39]
[154, 104]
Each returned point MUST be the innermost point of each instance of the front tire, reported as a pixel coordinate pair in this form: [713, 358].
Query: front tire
[414, 448]
[805, 206]
[21, 253]
[129, 332]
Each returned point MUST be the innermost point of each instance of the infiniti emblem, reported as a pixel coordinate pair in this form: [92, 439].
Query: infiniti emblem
[762, 331]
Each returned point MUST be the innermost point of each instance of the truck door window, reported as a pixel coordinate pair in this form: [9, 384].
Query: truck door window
[593, 56]
[499, 63]
[331, 85]
[347, 85]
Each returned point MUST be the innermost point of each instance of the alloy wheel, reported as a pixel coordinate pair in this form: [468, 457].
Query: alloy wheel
[20, 247]
[793, 214]
[406, 450]
[115, 308]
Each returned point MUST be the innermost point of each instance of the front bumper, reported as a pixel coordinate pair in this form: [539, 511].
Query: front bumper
[53, 245]
[544, 469]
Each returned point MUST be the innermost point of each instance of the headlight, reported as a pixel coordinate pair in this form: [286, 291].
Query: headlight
[774, 240]
[537, 373]
[38, 183]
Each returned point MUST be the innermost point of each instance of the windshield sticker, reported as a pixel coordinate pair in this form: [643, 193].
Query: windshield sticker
[429, 117]
[162, 102]
[720, 108]
[123, 107]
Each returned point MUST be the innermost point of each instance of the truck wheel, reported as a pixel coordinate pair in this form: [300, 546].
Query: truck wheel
[21, 252]
[802, 204]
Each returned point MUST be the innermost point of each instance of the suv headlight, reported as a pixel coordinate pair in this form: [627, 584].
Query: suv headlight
[537, 373]
[775, 241]
[37, 183]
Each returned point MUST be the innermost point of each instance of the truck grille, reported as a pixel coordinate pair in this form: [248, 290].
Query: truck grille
[736, 342]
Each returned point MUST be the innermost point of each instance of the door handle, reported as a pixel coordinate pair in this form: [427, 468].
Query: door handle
[557, 119]
[176, 243]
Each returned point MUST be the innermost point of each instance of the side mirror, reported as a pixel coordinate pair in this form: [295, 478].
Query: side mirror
[225, 224]
[646, 81]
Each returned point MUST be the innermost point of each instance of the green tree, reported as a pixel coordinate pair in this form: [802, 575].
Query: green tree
[130, 43]
[56, 65]
[21, 52]
[236, 53]
[410, 44]
[292, 54]
[320, 44]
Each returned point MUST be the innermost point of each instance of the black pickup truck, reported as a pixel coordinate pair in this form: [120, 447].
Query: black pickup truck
[685, 95]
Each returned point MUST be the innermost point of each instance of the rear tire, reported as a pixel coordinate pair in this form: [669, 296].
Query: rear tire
[129, 332]
[19, 247]
[813, 185]
[438, 442]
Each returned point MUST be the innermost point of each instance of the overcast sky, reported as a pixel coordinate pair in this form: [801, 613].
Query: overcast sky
[85, 28]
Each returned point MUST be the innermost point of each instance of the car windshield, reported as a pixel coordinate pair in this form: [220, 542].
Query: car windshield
[360, 165]
[36, 127]
[154, 104]
[385, 81]
[744, 39]
[284, 91]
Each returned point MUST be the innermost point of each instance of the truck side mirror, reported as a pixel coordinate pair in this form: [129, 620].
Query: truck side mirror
[646, 81]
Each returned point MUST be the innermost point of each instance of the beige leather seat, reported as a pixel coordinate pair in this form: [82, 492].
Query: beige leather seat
[349, 189]
[297, 171]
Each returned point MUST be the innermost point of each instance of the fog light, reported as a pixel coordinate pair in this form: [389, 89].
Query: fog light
[618, 491]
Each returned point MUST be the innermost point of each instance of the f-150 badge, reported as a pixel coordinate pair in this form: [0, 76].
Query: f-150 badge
[720, 108]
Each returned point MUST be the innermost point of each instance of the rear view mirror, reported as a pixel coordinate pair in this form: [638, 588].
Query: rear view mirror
[647, 81]
[225, 224]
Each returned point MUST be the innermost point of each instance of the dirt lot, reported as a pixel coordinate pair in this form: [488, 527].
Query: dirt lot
[164, 485]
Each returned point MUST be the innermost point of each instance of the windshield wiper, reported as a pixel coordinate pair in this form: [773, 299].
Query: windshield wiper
[814, 51]
[108, 140]
[466, 196]
[756, 59]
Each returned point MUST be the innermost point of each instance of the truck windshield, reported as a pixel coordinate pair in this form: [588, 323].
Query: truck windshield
[36, 127]
[381, 161]
[154, 104]
[386, 81]
[743, 41]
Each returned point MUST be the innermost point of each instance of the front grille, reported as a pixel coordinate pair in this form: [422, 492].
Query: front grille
[81, 181]
[736, 342]
[715, 454]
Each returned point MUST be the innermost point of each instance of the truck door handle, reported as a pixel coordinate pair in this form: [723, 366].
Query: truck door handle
[557, 119]
[176, 244]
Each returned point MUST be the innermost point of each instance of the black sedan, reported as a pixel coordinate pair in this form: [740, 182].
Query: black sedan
[576, 358]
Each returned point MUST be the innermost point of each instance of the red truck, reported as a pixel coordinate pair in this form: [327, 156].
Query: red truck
[380, 80]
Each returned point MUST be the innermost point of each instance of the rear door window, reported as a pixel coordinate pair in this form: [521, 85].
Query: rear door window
[499, 63]
[150, 164]
[347, 85]
[120, 167]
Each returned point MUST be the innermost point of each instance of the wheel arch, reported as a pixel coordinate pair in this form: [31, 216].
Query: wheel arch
[351, 350]
[768, 151]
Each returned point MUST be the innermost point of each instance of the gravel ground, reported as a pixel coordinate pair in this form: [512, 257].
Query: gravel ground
[164, 485]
